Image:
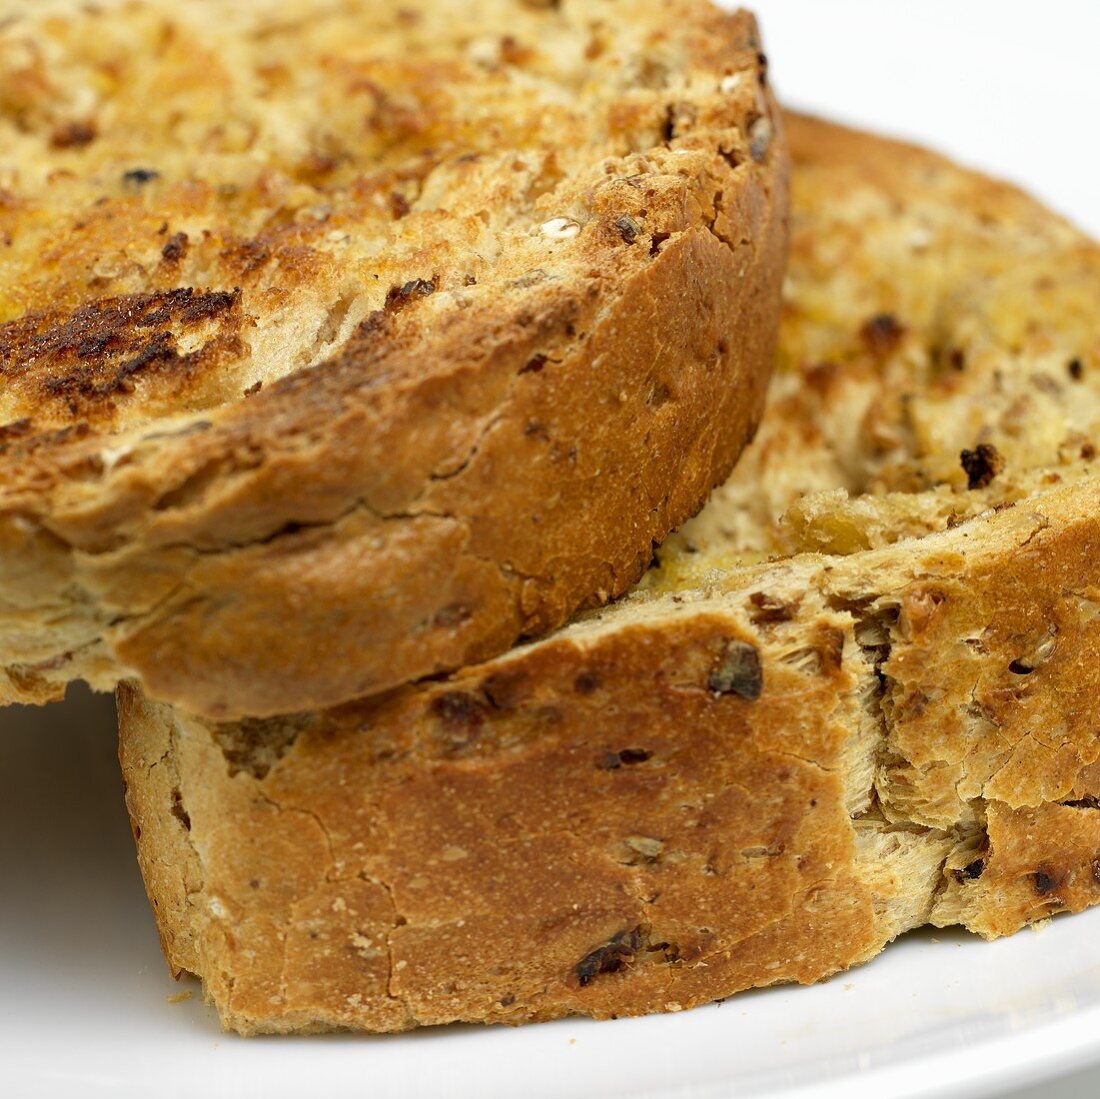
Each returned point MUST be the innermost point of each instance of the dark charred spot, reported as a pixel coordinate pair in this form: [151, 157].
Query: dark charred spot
[400, 296]
[17, 429]
[971, 872]
[97, 350]
[73, 135]
[136, 177]
[533, 365]
[656, 241]
[882, 334]
[458, 711]
[957, 358]
[160, 349]
[1045, 882]
[614, 955]
[399, 205]
[586, 683]
[507, 1001]
[981, 465]
[247, 256]
[737, 671]
[178, 811]
[762, 61]
[628, 228]
[764, 608]
[255, 387]
[254, 883]
[200, 307]
[1076, 369]
[375, 322]
[1088, 451]
[175, 248]
[624, 757]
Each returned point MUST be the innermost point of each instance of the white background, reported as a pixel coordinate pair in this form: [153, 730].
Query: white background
[1009, 87]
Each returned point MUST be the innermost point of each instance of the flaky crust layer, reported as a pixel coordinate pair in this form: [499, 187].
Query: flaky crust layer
[480, 457]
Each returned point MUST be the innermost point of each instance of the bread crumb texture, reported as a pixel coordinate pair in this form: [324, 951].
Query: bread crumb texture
[858, 694]
[302, 305]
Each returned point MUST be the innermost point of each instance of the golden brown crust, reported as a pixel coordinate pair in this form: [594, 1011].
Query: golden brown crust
[538, 842]
[166, 529]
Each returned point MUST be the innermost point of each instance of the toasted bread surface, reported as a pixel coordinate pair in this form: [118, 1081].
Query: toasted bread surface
[769, 760]
[345, 343]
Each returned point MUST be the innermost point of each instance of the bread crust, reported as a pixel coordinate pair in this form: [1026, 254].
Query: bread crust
[633, 817]
[380, 500]
[744, 773]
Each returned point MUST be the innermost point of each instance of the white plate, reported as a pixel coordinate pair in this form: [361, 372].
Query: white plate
[85, 998]
[84, 994]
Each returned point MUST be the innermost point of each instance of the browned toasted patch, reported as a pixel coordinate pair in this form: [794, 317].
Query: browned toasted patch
[83, 362]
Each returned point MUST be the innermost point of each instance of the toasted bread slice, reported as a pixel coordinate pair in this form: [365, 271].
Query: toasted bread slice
[764, 764]
[345, 343]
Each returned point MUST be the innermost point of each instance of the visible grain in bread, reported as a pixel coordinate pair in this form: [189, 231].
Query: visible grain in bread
[761, 766]
[298, 340]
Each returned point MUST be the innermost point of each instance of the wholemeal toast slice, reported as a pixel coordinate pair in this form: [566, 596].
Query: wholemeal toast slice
[345, 343]
[766, 762]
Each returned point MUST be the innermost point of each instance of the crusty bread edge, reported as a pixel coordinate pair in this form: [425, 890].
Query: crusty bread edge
[188, 611]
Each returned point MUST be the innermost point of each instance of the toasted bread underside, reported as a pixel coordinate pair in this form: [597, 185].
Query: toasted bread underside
[346, 343]
[767, 762]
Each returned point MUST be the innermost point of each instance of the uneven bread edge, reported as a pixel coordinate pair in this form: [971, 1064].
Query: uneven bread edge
[653, 809]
